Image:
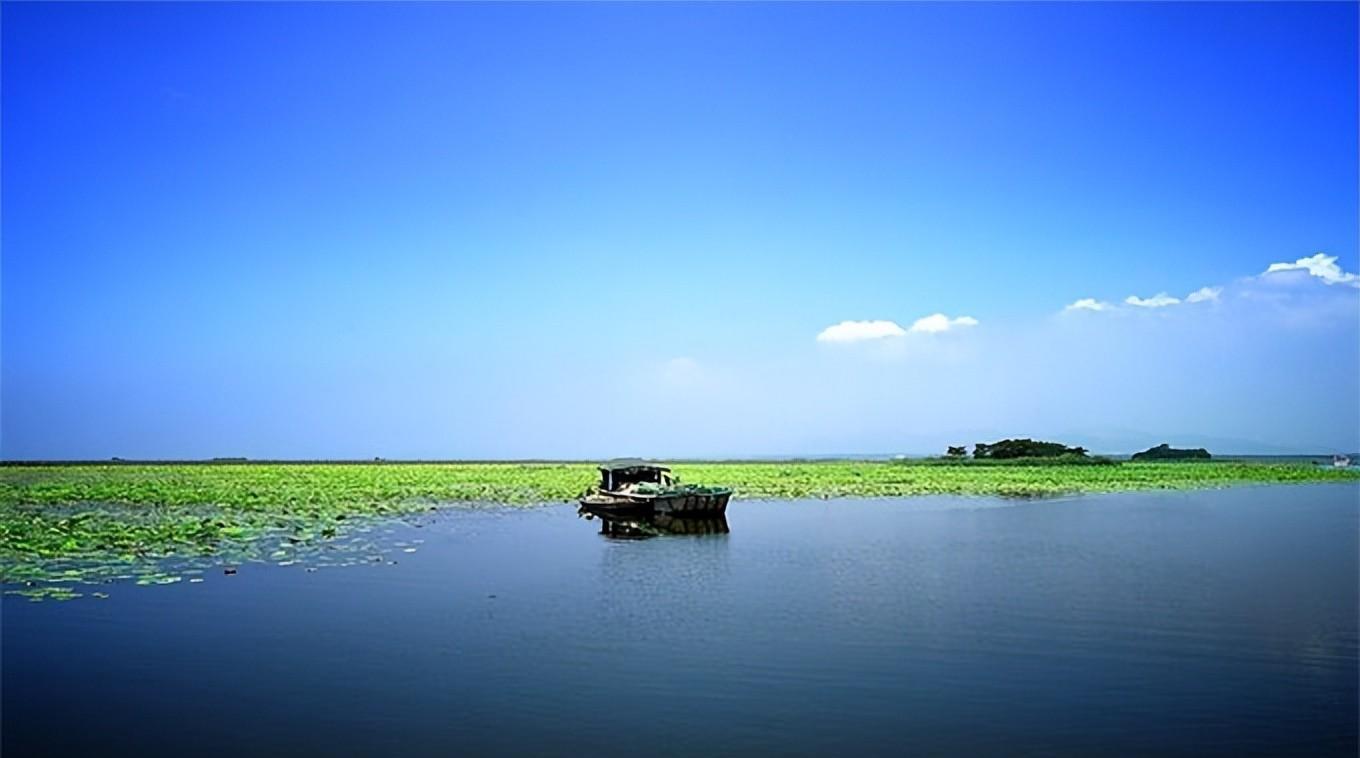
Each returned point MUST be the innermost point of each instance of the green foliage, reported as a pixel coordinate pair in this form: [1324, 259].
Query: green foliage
[1025, 448]
[1058, 460]
[958, 451]
[95, 523]
[1165, 452]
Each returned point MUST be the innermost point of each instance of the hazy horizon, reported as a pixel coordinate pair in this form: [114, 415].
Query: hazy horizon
[580, 231]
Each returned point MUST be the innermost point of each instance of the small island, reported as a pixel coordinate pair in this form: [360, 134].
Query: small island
[1165, 452]
[1010, 449]
[1022, 451]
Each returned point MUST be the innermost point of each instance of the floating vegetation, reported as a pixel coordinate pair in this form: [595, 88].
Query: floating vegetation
[36, 594]
[100, 557]
[71, 525]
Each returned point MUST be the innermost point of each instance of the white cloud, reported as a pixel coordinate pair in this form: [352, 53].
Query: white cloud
[1296, 295]
[1159, 300]
[1088, 304]
[1322, 266]
[858, 331]
[1204, 295]
[938, 322]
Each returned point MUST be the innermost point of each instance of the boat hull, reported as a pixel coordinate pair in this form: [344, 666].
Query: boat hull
[671, 504]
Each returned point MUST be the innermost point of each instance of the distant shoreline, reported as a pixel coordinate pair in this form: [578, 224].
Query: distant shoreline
[867, 458]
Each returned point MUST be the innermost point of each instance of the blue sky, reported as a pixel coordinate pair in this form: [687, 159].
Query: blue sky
[581, 230]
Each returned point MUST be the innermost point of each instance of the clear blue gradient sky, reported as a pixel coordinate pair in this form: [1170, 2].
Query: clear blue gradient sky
[517, 230]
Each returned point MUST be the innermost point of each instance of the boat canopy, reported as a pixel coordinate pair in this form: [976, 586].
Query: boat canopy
[622, 471]
[624, 464]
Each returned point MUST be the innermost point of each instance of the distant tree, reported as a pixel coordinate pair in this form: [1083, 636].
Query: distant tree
[1025, 448]
[956, 452]
[1165, 452]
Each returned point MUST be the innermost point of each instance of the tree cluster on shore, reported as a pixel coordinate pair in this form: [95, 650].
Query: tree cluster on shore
[1025, 448]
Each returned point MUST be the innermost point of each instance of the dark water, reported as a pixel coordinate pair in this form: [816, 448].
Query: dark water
[1219, 622]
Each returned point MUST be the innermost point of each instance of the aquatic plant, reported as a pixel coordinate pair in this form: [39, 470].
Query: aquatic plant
[99, 523]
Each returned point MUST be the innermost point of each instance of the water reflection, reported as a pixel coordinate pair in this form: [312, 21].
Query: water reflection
[1216, 622]
[644, 526]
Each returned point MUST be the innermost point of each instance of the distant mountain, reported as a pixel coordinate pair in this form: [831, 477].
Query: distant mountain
[1124, 442]
[1116, 442]
[1108, 442]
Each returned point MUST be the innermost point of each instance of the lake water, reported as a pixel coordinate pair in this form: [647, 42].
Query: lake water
[1217, 622]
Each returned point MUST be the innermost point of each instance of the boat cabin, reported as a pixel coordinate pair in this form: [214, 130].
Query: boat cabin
[616, 475]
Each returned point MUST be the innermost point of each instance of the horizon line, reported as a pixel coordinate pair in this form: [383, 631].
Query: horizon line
[829, 458]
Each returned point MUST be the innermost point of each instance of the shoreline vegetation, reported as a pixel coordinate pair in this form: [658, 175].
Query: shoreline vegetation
[87, 522]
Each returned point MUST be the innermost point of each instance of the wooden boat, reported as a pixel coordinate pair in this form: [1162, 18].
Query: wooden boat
[638, 488]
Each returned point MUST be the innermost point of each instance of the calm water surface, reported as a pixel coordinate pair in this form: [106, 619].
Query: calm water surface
[1218, 622]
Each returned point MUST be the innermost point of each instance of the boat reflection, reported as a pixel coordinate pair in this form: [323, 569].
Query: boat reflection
[644, 526]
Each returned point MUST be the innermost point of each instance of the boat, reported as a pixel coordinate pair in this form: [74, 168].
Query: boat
[634, 487]
[1341, 461]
